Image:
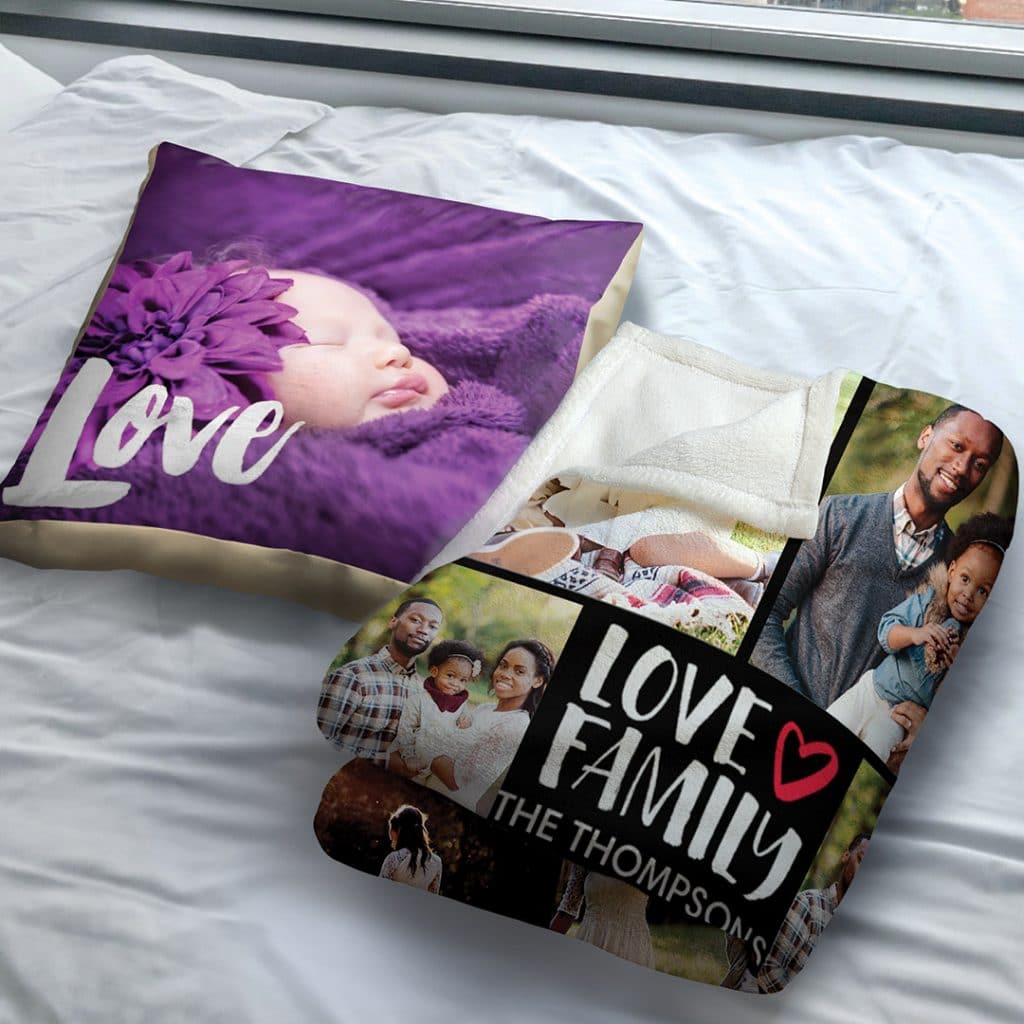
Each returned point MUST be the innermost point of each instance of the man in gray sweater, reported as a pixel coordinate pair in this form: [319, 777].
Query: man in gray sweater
[869, 552]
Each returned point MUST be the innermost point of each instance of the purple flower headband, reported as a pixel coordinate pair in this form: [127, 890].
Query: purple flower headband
[208, 333]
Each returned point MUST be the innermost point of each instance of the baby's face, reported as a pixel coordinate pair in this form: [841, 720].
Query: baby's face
[452, 676]
[971, 577]
[355, 368]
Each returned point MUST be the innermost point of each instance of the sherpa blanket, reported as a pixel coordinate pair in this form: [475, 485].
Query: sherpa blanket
[662, 704]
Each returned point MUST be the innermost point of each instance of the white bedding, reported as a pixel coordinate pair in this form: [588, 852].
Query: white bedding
[159, 759]
[25, 88]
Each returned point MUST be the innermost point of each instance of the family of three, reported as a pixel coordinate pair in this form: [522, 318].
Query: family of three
[426, 728]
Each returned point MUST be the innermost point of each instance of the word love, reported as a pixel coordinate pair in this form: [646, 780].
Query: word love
[654, 785]
[45, 482]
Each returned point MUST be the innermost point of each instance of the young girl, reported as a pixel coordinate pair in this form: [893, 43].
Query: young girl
[430, 713]
[922, 635]
[412, 861]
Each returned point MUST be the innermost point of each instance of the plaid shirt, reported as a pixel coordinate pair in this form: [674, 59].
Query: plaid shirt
[913, 546]
[739, 975]
[361, 703]
[805, 921]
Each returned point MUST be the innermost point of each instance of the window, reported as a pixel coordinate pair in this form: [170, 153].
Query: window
[816, 58]
[977, 37]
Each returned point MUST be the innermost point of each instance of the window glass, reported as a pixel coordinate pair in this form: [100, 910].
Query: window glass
[1008, 12]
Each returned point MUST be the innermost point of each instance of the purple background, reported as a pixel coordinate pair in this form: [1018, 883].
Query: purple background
[496, 301]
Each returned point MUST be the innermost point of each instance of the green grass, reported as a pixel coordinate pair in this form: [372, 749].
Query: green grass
[720, 639]
[759, 540]
[847, 389]
[480, 694]
[690, 951]
[686, 951]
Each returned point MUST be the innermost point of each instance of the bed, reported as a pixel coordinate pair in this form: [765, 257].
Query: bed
[159, 762]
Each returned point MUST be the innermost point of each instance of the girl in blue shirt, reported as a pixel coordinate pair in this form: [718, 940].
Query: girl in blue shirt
[921, 635]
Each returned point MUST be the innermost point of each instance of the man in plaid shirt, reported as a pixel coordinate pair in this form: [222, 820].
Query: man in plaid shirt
[361, 702]
[805, 920]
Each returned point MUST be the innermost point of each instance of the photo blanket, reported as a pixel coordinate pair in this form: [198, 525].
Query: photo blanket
[672, 740]
[305, 387]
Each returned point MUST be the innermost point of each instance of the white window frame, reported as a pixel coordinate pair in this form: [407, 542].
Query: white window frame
[952, 77]
[918, 44]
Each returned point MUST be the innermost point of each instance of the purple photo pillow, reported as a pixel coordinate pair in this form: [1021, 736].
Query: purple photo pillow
[305, 387]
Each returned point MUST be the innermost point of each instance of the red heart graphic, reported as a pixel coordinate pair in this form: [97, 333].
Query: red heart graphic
[797, 789]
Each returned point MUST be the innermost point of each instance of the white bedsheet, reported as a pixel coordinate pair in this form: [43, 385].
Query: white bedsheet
[159, 759]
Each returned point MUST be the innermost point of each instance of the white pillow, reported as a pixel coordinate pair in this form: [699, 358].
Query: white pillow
[116, 113]
[24, 89]
[71, 175]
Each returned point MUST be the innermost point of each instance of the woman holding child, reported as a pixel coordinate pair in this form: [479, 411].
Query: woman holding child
[464, 751]
[489, 735]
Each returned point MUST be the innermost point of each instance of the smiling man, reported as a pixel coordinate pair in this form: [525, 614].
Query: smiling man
[869, 552]
[361, 701]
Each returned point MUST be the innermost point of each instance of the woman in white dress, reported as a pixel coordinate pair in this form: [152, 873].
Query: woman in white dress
[614, 918]
[487, 737]
[412, 861]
